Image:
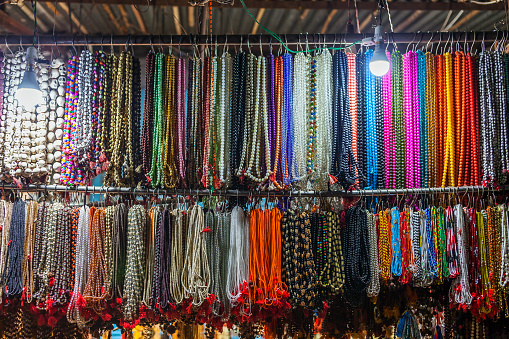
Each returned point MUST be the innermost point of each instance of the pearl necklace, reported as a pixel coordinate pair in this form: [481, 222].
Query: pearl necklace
[259, 128]
[301, 101]
[223, 119]
[81, 271]
[323, 120]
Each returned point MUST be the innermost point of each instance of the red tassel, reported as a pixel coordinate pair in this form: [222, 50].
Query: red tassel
[51, 281]
[52, 321]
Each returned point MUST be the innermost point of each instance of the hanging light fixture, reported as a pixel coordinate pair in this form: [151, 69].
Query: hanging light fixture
[379, 64]
[29, 93]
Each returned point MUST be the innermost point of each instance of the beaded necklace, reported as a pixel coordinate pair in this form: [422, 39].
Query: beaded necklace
[475, 270]
[323, 119]
[411, 116]
[406, 250]
[352, 95]
[371, 133]
[237, 117]
[148, 115]
[374, 283]
[396, 242]
[300, 110]
[288, 132]
[494, 230]
[462, 290]
[180, 130]
[259, 141]
[169, 164]
[398, 123]
[473, 158]
[12, 277]
[313, 127]
[277, 167]
[298, 267]
[441, 109]
[431, 120]
[483, 255]
[95, 289]
[389, 149]
[135, 267]
[361, 116]
[415, 238]
[213, 91]
[452, 245]
[488, 126]
[205, 123]
[449, 159]
[385, 244]
[98, 79]
[195, 126]
[357, 268]
[28, 252]
[121, 170]
[250, 85]
[500, 105]
[430, 234]
[82, 256]
[84, 113]
[423, 121]
[460, 112]
[223, 120]
[155, 173]
[67, 174]
[504, 265]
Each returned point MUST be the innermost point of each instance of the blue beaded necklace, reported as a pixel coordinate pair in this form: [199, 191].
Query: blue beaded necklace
[372, 163]
[421, 63]
[431, 246]
[396, 242]
[288, 131]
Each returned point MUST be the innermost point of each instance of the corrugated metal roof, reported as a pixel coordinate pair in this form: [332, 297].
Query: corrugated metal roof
[121, 19]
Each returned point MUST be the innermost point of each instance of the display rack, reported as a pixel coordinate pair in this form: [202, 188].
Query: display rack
[202, 192]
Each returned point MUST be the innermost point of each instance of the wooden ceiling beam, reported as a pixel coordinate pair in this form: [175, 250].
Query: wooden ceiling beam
[13, 25]
[320, 4]
[139, 19]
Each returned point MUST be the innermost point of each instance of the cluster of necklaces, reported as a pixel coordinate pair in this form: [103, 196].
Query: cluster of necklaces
[311, 121]
[291, 265]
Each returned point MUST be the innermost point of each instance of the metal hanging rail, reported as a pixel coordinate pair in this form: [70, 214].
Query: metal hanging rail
[254, 39]
[191, 192]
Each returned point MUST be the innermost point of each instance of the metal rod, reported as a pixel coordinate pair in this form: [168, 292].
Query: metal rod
[265, 39]
[190, 192]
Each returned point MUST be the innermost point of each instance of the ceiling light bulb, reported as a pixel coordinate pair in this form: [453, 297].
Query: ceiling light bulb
[379, 64]
[29, 93]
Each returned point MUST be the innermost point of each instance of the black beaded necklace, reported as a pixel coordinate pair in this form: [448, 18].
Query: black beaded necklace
[237, 116]
[361, 117]
[136, 123]
[356, 245]
[12, 278]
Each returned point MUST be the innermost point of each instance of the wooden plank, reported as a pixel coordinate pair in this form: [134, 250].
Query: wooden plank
[328, 20]
[13, 25]
[139, 19]
[259, 17]
[82, 28]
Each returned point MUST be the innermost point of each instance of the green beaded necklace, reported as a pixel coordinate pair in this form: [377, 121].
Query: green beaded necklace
[156, 170]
